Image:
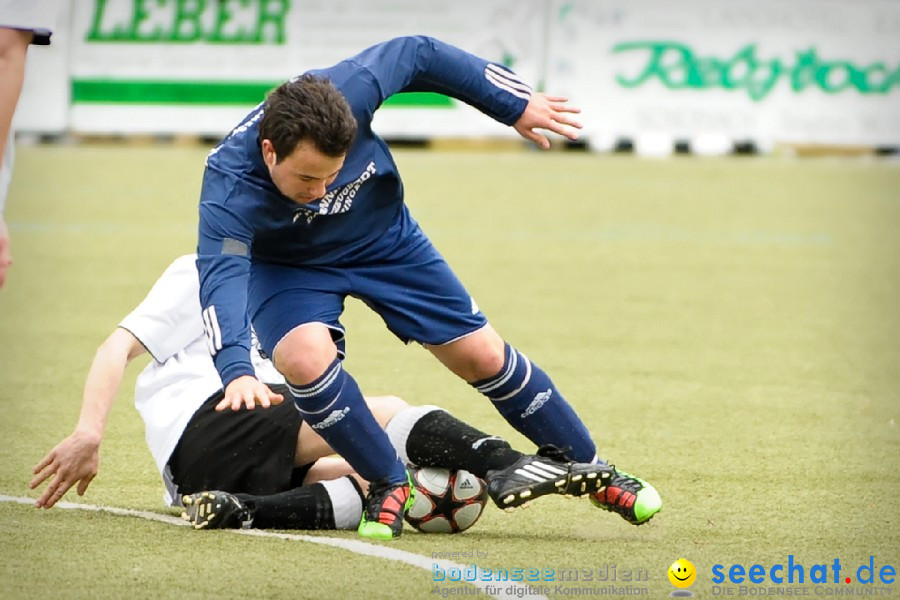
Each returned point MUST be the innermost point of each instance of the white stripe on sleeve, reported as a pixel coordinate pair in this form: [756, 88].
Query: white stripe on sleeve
[211, 326]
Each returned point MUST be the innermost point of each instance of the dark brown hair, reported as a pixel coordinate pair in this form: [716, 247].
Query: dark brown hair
[307, 108]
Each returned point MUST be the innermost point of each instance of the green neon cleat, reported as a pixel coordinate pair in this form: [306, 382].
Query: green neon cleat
[633, 499]
[385, 506]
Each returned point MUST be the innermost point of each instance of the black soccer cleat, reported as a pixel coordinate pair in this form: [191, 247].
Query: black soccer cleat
[547, 472]
[216, 510]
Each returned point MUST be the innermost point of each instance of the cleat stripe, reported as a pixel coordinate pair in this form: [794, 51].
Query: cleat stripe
[531, 476]
[541, 470]
[554, 469]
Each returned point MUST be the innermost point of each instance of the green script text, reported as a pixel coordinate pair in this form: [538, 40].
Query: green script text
[677, 66]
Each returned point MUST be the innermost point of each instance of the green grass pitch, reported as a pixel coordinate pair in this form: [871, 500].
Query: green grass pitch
[728, 328]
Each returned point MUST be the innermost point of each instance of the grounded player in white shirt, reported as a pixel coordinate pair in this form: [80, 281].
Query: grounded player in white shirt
[262, 467]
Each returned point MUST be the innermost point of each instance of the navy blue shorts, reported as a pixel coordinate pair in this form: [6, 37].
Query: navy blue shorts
[413, 290]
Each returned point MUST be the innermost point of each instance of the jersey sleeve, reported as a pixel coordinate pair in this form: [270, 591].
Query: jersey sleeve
[424, 64]
[38, 16]
[168, 318]
[223, 262]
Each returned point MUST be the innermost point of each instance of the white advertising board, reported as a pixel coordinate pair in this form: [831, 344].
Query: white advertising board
[802, 71]
[199, 65]
[708, 72]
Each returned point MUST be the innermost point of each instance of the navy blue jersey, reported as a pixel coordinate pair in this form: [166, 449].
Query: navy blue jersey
[361, 216]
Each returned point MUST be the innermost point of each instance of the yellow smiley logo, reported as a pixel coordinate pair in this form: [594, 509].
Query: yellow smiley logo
[682, 573]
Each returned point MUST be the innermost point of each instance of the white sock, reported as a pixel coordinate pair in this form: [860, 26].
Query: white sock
[401, 424]
[345, 502]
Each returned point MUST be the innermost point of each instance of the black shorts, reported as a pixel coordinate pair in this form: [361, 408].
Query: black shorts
[248, 451]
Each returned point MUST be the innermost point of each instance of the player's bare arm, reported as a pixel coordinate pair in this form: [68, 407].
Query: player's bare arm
[13, 47]
[248, 391]
[5, 256]
[551, 113]
[76, 459]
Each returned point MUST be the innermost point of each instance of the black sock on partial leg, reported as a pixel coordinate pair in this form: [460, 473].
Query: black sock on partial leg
[306, 507]
[432, 437]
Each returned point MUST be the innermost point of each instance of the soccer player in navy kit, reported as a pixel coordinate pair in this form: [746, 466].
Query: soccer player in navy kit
[302, 205]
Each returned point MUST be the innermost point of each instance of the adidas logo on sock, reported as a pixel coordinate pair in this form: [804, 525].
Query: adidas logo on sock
[540, 399]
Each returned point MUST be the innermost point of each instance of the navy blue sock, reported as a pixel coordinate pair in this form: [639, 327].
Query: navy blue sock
[528, 400]
[334, 407]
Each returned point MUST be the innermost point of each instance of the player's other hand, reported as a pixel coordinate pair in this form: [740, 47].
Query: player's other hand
[248, 391]
[76, 459]
[550, 113]
[5, 256]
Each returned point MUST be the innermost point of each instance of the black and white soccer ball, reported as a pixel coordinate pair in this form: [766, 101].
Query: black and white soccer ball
[446, 501]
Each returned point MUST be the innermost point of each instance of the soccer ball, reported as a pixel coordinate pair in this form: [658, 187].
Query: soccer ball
[446, 501]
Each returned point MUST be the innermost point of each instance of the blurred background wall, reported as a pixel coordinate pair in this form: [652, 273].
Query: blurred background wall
[711, 74]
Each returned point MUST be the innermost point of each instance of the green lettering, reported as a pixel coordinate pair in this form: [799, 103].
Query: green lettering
[673, 64]
[705, 73]
[654, 66]
[223, 15]
[188, 26]
[858, 78]
[867, 74]
[824, 79]
[272, 14]
[676, 67]
[742, 69]
[117, 33]
[191, 21]
[681, 69]
[804, 70]
[140, 15]
[95, 35]
[759, 87]
[890, 81]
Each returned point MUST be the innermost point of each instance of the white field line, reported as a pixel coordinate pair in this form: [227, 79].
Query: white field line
[504, 590]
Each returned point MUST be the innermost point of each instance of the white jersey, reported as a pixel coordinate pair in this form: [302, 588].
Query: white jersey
[28, 14]
[182, 375]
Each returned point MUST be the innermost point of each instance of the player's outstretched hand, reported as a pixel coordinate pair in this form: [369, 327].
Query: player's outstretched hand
[248, 391]
[550, 113]
[76, 459]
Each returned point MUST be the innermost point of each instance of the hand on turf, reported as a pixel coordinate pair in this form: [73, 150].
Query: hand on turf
[5, 256]
[248, 391]
[547, 112]
[76, 459]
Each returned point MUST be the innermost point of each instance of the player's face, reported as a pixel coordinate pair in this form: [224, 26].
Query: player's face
[304, 174]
